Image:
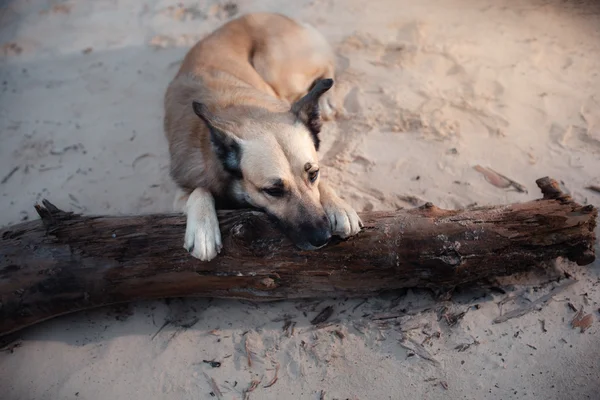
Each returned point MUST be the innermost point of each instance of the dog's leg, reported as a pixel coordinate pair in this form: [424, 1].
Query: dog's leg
[344, 221]
[202, 232]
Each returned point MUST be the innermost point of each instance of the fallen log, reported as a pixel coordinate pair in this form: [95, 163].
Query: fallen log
[67, 262]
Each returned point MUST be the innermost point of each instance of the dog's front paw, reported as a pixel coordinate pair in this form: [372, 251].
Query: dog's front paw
[202, 235]
[344, 221]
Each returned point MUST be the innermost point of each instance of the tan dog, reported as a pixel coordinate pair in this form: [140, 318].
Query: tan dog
[242, 117]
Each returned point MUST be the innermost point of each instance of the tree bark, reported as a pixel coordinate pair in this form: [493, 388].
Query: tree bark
[67, 262]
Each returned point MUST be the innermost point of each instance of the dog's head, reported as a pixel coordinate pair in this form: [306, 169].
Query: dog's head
[272, 158]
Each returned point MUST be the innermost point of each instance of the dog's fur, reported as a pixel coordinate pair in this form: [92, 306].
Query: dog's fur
[242, 117]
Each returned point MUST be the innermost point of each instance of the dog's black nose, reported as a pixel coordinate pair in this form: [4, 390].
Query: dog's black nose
[320, 237]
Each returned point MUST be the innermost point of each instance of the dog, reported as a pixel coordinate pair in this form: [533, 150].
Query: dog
[242, 121]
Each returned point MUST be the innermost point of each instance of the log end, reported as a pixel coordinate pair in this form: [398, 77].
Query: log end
[551, 189]
[585, 253]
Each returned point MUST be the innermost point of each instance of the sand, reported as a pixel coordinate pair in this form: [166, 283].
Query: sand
[430, 90]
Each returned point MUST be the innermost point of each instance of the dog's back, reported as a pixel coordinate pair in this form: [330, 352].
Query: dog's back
[285, 56]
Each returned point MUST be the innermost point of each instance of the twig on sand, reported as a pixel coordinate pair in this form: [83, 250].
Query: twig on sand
[419, 350]
[272, 381]
[454, 318]
[248, 353]
[383, 317]
[402, 313]
[464, 346]
[214, 386]
[9, 175]
[353, 310]
[167, 322]
[534, 305]
[593, 188]
[499, 180]
[253, 385]
[322, 316]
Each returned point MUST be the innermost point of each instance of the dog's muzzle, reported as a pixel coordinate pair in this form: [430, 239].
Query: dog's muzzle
[309, 235]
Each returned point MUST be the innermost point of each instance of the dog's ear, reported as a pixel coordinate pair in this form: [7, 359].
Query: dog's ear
[307, 108]
[226, 146]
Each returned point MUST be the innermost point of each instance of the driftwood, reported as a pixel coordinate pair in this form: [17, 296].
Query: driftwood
[67, 262]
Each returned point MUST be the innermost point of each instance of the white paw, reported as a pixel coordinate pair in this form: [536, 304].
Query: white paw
[202, 235]
[344, 221]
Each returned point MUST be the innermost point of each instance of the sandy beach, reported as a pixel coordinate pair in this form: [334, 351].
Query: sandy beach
[429, 89]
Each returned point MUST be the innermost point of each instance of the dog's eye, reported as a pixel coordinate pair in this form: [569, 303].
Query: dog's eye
[274, 191]
[312, 176]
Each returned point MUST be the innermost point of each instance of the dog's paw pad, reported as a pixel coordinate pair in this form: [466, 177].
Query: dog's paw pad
[203, 237]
